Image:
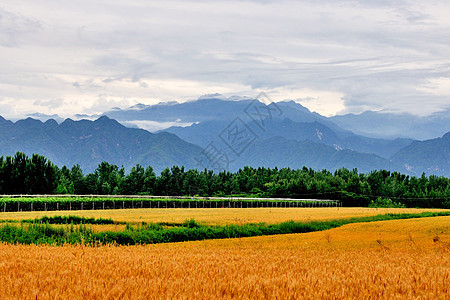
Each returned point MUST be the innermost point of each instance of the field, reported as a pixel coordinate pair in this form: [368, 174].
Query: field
[219, 216]
[389, 259]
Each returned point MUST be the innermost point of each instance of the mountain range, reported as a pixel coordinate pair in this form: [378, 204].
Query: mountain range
[208, 117]
[88, 143]
[390, 125]
[222, 133]
[430, 156]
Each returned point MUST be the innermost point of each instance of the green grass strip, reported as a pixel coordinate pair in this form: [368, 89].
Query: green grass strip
[45, 233]
[63, 220]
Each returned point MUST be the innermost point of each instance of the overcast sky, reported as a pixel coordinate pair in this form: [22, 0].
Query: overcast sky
[86, 56]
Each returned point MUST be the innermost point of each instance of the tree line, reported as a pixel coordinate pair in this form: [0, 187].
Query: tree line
[21, 174]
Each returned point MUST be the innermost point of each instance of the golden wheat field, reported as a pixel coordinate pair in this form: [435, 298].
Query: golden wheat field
[218, 216]
[401, 259]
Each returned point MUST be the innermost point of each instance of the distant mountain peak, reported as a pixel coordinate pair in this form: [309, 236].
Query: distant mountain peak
[105, 120]
[102, 118]
[51, 122]
[67, 121]
[28, 121]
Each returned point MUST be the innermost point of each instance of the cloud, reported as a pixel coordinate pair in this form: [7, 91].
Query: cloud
[439, 86]
[335, 56]
[154, 126]
[15, 28]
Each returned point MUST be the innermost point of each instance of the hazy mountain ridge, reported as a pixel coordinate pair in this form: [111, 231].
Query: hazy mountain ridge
[430, 156]
[296, 154]
[213, 109]
[90, 142]
[286, 119]
[380, 125]
[283, 134]
[390, 125]
[200, 110]
[205, 132]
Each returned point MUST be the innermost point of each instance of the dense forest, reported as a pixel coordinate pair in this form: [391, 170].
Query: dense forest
[21, 174]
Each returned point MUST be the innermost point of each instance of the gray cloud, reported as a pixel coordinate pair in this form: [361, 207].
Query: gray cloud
[390, 55]
[16, 29]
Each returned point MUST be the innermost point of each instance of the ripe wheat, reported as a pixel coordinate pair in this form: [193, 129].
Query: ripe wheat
[391, 259]
[219, 216]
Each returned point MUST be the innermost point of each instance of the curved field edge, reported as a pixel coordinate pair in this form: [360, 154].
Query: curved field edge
[44, 233]
[397, 259]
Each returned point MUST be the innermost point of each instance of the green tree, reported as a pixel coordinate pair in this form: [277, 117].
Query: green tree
[65, 186]
[77, 177]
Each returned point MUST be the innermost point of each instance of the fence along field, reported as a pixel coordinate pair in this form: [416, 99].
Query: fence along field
[406, 259]
[95, 202]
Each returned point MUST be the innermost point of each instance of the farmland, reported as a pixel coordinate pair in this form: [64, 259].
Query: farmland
[220, 216]
[71, 229]
[387, 259]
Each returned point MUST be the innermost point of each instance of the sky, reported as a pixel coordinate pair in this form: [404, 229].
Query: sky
[334, 57]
